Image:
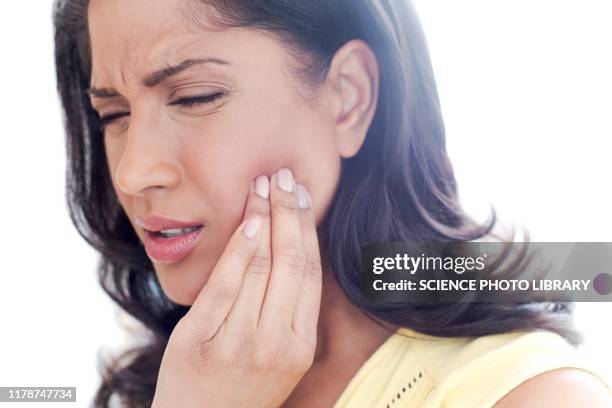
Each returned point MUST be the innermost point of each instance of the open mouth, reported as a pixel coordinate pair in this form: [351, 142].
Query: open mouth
[172, 244]
[175, 232]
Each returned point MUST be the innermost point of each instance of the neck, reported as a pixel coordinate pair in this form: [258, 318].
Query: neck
[343, 328]
[346, 338]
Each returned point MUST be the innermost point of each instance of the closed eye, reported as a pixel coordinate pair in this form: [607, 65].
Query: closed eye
[197, 100]
[187, 102]
[108, 119]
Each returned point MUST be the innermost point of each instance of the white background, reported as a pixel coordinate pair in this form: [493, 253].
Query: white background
[525, 87]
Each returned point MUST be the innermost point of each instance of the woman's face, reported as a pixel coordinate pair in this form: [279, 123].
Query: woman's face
[196, 163]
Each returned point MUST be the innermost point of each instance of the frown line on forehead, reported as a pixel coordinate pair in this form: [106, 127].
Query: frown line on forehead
[159, 76]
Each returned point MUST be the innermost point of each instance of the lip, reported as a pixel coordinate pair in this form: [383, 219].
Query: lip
[168, 250]
[157, 223]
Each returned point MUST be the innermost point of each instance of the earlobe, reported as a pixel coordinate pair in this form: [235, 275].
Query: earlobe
[354, 74]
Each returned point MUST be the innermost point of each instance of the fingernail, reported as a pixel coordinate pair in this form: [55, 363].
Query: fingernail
[262, 186]
[252, 227]
[284, 179]
[303, 197]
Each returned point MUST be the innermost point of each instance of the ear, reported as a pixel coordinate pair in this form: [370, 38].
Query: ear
[353, 76]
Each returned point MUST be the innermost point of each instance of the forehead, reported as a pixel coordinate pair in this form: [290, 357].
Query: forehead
[120, 27]
[131, 38]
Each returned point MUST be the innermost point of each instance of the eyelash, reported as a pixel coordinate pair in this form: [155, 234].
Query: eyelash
[187, 102]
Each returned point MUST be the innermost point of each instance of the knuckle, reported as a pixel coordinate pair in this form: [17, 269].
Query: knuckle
[262, 211]
[228, 355]
[285, 206]
[200, 349]
[260, 265]
[294, 257]
[260, 362]
[196, 340]
[268, 358]
[248, 341]
[301, 361]
[223, 290]
[231, 349]
[312, 265]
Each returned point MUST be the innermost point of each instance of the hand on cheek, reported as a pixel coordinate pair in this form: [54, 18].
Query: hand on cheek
[256, 317]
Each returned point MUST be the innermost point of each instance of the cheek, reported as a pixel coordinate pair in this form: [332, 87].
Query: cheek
[316, 165]
[233, 154]
[224, 154]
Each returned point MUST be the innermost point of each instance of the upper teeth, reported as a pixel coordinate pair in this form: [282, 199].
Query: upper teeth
[174, 232]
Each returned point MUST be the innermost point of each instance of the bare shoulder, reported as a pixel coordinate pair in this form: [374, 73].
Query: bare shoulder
[562, 388]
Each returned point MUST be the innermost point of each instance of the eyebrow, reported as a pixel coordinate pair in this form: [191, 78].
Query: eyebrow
[158, 76]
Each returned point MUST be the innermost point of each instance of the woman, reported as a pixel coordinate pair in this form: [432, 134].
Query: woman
[228, 159]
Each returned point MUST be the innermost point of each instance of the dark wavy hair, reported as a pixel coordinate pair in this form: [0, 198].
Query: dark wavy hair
[399, 187]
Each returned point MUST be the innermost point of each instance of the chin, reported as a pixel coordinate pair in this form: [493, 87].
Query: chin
[182, 299]
[182, 282]
[177, 294]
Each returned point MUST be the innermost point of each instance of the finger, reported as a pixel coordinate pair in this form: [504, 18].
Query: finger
[216, 298]
[245, 312]
[306, 313]
[287, 254]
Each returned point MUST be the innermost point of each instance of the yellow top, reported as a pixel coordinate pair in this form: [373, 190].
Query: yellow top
[426, 371]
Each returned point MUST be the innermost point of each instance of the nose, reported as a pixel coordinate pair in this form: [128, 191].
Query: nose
[147, 162]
